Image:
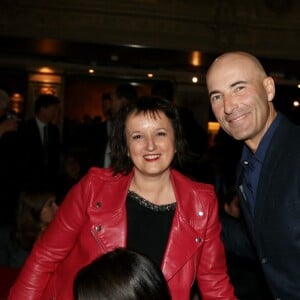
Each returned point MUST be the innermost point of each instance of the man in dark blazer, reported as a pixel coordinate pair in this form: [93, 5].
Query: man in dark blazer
[268, 179]
[97, 134]
[40, 145]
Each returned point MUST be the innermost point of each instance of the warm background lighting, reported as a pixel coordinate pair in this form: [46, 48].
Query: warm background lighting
[213, 129]
[196, 59]
[46, 70]
[17, 103]
[48, 46]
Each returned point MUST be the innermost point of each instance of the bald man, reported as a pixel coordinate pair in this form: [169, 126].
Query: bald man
[268, 176]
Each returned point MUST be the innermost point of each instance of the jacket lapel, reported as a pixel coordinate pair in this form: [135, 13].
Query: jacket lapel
[179, 248]
[273, 157]
[183, 240]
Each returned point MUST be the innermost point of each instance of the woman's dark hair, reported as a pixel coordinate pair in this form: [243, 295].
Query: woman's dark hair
[121, 274]
[120, 162]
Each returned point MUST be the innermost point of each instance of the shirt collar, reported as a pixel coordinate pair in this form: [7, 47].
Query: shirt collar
[40, 123]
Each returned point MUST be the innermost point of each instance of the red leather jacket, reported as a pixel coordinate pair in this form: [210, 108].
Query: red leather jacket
[92, 221]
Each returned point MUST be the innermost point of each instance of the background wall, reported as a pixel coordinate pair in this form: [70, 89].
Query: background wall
[268, 28]
[125, 40]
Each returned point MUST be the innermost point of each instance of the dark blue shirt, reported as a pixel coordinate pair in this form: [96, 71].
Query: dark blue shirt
[252, 164]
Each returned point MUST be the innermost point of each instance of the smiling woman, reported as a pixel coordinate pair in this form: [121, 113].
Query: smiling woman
[151, 118]
[150, 142]
[141, 203]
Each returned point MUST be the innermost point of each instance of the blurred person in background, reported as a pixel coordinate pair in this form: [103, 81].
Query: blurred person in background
[35, 212]
[70, 174]
[8, 121]
[98, 134]
[39, 140]
[9, 154]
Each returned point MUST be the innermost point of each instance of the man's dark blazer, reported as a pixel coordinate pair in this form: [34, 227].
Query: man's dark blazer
[35, 173]
[275, 227]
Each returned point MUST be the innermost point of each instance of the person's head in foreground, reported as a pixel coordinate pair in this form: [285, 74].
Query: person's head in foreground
[121, 274]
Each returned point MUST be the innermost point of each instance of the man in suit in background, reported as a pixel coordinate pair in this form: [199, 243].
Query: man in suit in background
[111, 104]
[40, 145]
[98, 135]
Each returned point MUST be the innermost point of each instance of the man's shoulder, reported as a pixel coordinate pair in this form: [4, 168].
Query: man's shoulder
[288, 130]
[28, 124]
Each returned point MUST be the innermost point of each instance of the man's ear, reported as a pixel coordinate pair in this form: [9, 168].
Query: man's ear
[269, 86]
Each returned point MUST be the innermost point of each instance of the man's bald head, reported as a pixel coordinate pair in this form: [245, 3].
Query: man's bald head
[244, 59]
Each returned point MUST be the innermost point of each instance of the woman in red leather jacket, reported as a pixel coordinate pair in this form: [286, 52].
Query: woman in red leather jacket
[141, 203]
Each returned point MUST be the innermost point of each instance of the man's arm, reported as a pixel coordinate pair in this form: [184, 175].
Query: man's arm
[235, 237]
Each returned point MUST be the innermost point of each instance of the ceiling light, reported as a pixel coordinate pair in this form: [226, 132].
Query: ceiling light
[46, 70]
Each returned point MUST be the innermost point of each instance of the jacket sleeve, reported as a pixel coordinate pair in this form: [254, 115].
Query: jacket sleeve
[235, 237]
[212, 274]
[53, 246]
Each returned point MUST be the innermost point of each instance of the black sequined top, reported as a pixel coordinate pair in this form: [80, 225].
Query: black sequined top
[148, 226]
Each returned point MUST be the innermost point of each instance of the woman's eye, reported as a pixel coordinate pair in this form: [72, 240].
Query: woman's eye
[161, 133]
[137, 136]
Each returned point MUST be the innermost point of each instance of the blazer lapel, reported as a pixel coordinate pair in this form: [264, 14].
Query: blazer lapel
[264, 184]
[272, 159]
[183, 240]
